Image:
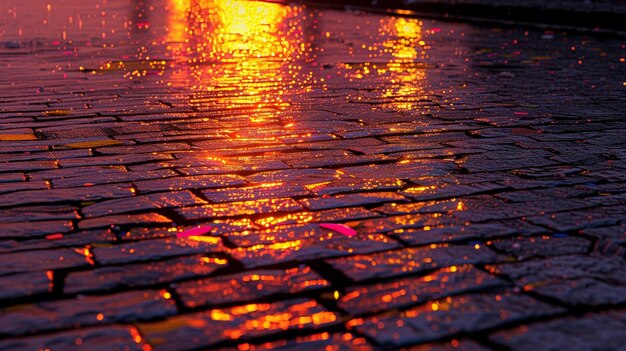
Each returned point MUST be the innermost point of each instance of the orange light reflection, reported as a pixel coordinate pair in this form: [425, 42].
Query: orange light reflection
[246, 54]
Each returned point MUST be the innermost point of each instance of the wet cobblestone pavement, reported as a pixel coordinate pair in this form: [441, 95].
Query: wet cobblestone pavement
[482, 168]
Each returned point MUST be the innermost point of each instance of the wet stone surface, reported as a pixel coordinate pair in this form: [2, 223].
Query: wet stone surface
[165, 167]
[450, 316]
[594, 331]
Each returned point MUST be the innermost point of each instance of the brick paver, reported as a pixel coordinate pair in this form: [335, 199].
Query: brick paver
[481, 166]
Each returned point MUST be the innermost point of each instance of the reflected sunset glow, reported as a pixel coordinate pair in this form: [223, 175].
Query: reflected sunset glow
[246, 53]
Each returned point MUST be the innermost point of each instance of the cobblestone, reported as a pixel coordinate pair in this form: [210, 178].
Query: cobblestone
[142, 274]
[250, 285]
[23, 285]
[399, 262]
[601, 331]
[147, 250]
[114, 338]
[254, 320]
[441, 317]
[409, 291]
[481, 166]
[576, 280]
[323, 341]
[45, 316]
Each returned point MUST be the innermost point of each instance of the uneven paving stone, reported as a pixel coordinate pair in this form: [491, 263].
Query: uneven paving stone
[263, 191]
[113, 160]
[48, 155]
[543, 246]
[567, 221]
[191, 182]
[329, 158]
[433, 192]
[253, 207]
[239, 164]
[76, 239]
[142, 233]
[336, 201]
[85, 311]
[99, 192]
[385, 224]
[142, 202]
[24, 285]
[12, 177]
[141, 274]
[250, 285]
[592, 331]
[112, 177]
[402, 170]
[208, 328]
[27, 166]
[404, 292]
[349, 185]
[148, 250]
[78, 173]
[312, 248]
[615, 233]
[442, 206]
[34, 229]
[488, 208]
[109, 338]
[286, 233]
[454, 345]
[38, 213]
[574, 279]
[332, 215]
[442, 317]
[146, 148]
[546, 194]
[19, 186]
[432, 139]
[298, 176]
[323, 341]
[410, 260]
[476, 231]
[150, 218]
[480, 163]
[41, 260]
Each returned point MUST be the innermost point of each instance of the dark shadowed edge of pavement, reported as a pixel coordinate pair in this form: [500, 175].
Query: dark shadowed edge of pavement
[586, 20]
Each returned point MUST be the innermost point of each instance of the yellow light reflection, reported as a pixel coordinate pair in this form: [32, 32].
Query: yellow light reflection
[400, 63]
[407, 73]
[239, 54]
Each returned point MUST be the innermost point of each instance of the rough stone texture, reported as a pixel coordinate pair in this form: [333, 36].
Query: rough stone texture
[455, 345]
[323, 341]
[450, 316]
[400, 262]
[41, 260]
[46, 316]
[594, 331]
[111, 338]
[413, 290]
[140, 203]
[255, 320]
[250, 285]
[142, 274]
[24, 285]
[332, 245]
[148, 250]
[576, 280]
[482, 167]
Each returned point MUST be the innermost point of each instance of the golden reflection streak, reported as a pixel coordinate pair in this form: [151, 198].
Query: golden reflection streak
[246, 54]
[406, 46]
[403, 52]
